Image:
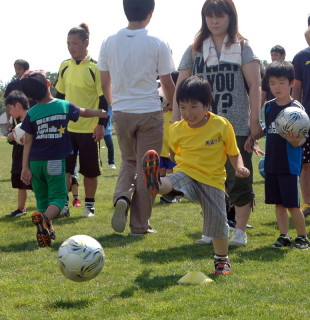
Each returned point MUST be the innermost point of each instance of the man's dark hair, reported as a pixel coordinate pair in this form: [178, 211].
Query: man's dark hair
[138, 10]
[279, 49]
[82, 30]
[195, 89]
[22, 63]
[17, 96]
[280, 69]
[309, 20]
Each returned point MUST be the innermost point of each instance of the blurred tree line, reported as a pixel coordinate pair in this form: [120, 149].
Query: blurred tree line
[51, 76]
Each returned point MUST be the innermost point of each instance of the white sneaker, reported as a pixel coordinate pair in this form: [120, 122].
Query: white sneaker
[239, 238]
[89, 212]
[64, 212]
[112, 166]
[204, 240]
[119, 218]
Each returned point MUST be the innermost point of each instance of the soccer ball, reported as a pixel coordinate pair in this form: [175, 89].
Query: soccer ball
[19, 134]
[261, 167]
[80, 258]
[292, 119]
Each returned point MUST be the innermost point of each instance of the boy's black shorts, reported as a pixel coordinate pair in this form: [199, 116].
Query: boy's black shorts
[282, 189]
[18, 184]
[89, 155]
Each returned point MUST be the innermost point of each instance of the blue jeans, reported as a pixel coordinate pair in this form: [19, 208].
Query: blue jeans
[109, 143]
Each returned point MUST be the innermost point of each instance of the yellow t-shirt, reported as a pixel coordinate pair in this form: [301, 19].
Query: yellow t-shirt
[167, 124]
[201, 153]
[82, 86]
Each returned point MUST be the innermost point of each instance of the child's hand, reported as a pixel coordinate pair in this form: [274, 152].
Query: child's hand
[257, 149]
[102, 114]
[26, 175]
[10, 137]
[294, 140]
[242, 172]
[167, 108]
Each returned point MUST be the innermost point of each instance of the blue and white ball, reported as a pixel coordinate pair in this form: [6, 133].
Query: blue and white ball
[261, 167]
[80, 258]
[292, 119]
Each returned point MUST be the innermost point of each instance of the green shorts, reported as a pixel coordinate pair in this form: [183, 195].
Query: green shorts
[49, 183]
[240, 190]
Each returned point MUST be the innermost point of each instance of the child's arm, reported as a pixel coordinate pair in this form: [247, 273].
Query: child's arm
[106, 85]
[183, 74]
[26, 174]
[237, 163]
[171, 155]
[293, 140]
[89, 113]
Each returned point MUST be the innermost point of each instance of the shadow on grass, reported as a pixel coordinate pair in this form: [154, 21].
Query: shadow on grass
[150, 284]
[196, 252]
[31, 245]
[5, 180]
[110, 175]
[56, 222]
[259, 182]
[182, 253]
[69, 304]
[265, 254]
[118, 240]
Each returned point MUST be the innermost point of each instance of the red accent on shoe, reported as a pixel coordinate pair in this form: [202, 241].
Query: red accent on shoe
[76, 203]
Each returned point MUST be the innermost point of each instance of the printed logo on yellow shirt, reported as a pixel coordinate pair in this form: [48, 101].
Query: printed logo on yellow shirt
[213, 141]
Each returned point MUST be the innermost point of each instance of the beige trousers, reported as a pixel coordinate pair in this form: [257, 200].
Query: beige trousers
[136, 134]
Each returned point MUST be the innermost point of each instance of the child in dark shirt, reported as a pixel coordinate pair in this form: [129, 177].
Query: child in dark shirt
[17, 104]
[283, 158]
[47, 144]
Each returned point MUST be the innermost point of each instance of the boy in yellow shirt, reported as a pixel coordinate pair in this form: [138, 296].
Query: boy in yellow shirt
[199, 144]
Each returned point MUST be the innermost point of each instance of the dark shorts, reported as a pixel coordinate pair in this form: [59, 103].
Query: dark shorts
[306, 151]
[240, 190]
[282, 189]
[89, 155]
[166, 163]
[18, 184]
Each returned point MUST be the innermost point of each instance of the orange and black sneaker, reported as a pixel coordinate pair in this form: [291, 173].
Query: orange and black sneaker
[150, 168]
[43, 226]
[222, 266]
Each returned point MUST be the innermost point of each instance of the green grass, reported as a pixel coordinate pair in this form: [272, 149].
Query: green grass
[139, 279]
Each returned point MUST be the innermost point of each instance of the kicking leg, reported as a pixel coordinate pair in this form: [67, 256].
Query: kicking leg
[153, 183]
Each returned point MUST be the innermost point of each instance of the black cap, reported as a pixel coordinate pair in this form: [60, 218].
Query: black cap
[33, 84]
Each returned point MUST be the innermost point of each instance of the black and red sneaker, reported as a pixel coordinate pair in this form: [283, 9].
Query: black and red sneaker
[43, 226]
[222, 266]
[150, 168]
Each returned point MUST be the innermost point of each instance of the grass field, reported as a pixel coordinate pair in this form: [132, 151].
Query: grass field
[139, 279]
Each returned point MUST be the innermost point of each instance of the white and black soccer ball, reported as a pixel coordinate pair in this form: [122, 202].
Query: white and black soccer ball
[80, 258]
[19, 134]
[162, 97]
[292, 119]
